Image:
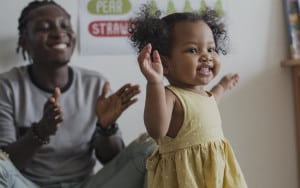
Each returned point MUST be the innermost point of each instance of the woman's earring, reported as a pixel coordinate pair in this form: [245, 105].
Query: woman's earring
[24, 54]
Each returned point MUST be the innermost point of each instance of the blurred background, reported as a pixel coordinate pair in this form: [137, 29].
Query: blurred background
[258, 115]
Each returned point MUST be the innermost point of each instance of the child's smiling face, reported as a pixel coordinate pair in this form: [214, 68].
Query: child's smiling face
[193, 61]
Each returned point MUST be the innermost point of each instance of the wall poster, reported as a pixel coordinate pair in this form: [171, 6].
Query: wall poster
[103, 23]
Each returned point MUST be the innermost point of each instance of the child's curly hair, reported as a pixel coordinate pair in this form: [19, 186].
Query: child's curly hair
[148, 27]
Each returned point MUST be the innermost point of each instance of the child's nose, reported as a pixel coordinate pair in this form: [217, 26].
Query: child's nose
[204, 57]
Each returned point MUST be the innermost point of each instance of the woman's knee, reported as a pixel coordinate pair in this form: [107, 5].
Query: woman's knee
[143, 148]
[144, 145]
[4, 168]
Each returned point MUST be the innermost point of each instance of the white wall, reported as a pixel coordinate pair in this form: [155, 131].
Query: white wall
[258, 115]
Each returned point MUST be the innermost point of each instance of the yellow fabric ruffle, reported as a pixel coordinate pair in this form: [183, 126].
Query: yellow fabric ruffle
[199, 156]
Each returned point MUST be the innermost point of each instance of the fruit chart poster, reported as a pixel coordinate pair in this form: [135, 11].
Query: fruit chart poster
[103, 24]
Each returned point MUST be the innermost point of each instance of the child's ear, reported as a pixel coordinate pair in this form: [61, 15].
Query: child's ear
[165, 64]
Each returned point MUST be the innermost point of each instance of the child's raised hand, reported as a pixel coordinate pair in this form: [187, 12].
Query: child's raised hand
[229, 81]
[151, 69]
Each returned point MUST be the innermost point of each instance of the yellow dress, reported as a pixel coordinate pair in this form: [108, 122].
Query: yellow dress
[199, 156]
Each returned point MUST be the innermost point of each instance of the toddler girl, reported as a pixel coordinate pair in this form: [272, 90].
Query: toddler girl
[183, 117]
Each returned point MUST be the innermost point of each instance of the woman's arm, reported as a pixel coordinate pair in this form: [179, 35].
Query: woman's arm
[108, 141]
[22, 151]
[108, 146]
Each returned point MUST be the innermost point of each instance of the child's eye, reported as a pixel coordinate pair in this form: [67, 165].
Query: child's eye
[193, 50]
[210, 50]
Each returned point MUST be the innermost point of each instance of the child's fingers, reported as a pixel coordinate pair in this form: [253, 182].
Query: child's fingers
[144, 54]
[236, 79]
[143, 58]
[147, 48]
[236, 76]
[156, 57]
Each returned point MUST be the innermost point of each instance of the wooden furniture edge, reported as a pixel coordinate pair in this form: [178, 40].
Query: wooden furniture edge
[295, 66]
[290, 63]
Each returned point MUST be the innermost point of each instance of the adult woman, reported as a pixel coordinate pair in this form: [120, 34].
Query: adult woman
[47, 113]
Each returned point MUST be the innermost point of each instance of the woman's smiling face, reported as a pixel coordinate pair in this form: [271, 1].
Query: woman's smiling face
[49, 38]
